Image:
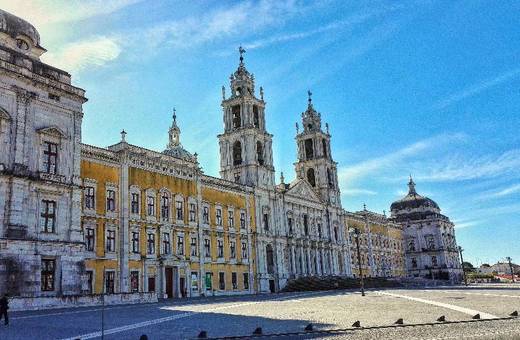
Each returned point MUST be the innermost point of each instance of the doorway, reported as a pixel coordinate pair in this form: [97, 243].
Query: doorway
[271, 286]
[182, 285]
[168, 273]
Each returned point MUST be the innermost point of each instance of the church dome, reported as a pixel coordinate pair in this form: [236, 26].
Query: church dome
[414, 201]
[18, 28]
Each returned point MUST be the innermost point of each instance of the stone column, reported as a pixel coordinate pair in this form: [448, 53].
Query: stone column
[123, 225]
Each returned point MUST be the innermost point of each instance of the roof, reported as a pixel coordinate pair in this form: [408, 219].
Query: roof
[413, 201]
[15, 27]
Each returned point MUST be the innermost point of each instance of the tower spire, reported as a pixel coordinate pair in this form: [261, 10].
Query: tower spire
[411, 186]
[241, 51]
[174, 131]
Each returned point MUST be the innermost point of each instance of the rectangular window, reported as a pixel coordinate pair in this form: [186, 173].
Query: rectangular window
[178, 208]
[180, 245]
[134, 281]
[192, 212]
[289, 224]
[109, 282]
[134, 205]
[48, 268]
[244, 250]
[193, 246]
[111, 200]
[232, 249]
[207, 247]
[220, 248]
[194, 281]
[166, 243]
[205, 215]
[50, 157]
[89, 198]
[90, 282]
[222, 281]
[165, 208]
[266, 222]
[111, 241]
[242, 220]
[209, 284]
[150, 203]
[306, 225]
[151, 244]
[48, 216]
[234, 280]
[246, 280]
[218, 216]
[135, 242]
[90, 239]
[231, 219]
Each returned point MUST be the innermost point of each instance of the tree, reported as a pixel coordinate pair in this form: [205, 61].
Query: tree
[468, 266]
[485, 265]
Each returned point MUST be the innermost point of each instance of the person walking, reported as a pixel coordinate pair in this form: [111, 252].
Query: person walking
[4, 306]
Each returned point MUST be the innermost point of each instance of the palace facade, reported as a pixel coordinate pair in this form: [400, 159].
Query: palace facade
[80, 219]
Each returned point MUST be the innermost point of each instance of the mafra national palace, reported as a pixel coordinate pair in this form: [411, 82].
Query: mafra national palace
[78, 219]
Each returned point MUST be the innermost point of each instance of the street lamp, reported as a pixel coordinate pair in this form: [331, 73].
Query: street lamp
[355, 231]
[509, 259]
[462, 262]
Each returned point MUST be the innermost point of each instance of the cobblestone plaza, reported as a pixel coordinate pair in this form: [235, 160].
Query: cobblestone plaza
[290, 313]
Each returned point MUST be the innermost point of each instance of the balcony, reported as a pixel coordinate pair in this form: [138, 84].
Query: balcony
[44, 176]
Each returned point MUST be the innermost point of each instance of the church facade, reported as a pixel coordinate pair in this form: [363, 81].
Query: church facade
[81, 219]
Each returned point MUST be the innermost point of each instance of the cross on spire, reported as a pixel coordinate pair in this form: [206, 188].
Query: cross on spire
[309, 93]
[241, 51]
[174, 116]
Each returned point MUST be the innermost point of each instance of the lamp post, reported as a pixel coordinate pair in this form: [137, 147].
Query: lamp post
[355, 231]
[462, 263]
[509, 259]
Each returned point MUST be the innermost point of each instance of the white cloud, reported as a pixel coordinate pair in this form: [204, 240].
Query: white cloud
[84, 54]
[457, 169]
[348, 173]
[358, 192]
[476, 89]
[42, 12]
[512, 189]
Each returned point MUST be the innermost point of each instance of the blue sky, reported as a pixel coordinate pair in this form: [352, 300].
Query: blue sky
[430, 88]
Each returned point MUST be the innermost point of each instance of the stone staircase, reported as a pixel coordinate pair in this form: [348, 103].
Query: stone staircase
[315, 283]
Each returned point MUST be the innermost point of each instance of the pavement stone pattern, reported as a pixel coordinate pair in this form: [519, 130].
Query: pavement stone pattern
[289, 312]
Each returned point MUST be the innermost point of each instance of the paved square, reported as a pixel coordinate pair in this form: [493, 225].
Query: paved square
[290, 312]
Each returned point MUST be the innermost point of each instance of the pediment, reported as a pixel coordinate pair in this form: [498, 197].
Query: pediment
[302, 189]
[4, 114]
[53, 131]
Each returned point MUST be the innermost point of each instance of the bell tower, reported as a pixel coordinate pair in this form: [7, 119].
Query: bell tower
[315, 163]
[246, 155]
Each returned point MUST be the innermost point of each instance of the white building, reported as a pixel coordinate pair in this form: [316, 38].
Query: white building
[431, 248]
[41, 243]
[300, 225]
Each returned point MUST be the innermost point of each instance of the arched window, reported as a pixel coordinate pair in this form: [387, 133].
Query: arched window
[310, 177]
[330, 179]
[237, 153]
[256, 117]
[237, 120]
[309, 149]
[260, 153]
[270, 259]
